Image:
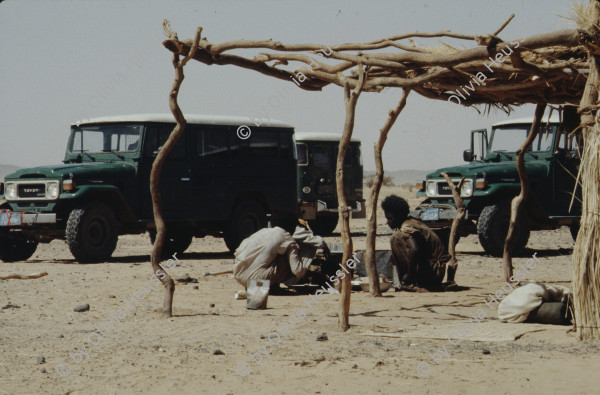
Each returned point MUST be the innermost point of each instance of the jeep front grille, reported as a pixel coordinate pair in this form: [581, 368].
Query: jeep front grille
[28, 191]
[443, 189]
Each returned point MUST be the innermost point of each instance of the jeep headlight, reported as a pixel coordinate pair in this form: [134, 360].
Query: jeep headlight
[52, 190]
[467, 188]
[431, 186]
[11, 191]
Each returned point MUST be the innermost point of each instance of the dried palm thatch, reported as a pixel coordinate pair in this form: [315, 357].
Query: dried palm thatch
[586, 254]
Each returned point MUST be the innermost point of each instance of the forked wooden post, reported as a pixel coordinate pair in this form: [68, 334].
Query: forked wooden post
[350, 100]
[518, 201]
[157, 165]
[460, 216]
[374, 195]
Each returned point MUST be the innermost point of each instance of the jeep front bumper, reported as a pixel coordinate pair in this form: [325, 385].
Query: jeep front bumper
[435, 215]
[22, 218]
[310, 210]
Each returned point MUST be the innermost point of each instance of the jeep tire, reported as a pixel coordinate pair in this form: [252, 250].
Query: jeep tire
[324, 225]
[14, 250]
[177, 241]
[248, 217]
[492, 227]
[92, 232]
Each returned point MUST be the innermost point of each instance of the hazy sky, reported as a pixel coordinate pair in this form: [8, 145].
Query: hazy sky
[67, 60]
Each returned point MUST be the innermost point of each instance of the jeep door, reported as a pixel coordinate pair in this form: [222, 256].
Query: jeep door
[565, 163]
[349, 171]
[175, 180]
[323, 160]
[212, 172]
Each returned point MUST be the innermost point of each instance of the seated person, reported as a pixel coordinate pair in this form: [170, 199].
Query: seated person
[417, 251]
[271, 254]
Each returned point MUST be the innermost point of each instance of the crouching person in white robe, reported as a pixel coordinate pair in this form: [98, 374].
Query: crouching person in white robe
[271, 254]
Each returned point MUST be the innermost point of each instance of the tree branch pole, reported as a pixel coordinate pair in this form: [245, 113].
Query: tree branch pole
[157, 166]
[518, 201]
[350, 99]
[460, 216]
[374, 195]
[586, 253]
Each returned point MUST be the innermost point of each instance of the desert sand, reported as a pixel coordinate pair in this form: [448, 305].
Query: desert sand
[399, 343]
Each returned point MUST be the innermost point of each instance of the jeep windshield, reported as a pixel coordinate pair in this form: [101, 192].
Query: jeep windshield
[508, 138]
[100, 139]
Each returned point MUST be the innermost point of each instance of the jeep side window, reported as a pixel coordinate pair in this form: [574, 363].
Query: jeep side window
[543, 141]
[238, 148]
[286, 146]
[156, 136]
[348, 158]
[77, 142]
[213, 143]
[321, 156]
[263, 145]
[302, 152]
[125, 142]
[568, 142]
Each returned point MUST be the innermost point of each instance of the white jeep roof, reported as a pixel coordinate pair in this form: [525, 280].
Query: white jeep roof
[190, 118]
[319, 136]
[528, 120]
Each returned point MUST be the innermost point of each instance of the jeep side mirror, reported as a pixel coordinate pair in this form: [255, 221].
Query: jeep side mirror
[468, 155]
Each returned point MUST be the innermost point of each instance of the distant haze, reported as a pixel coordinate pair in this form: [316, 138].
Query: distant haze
[401, 177]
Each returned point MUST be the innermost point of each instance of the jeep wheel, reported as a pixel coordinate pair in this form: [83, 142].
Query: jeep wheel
[14, 250]
[247, 218]
[492, 227]
[92, 233]
[324, 225]
[176, 242]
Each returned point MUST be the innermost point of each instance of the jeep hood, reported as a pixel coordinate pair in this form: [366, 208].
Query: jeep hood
[505, 170]
[79, 170]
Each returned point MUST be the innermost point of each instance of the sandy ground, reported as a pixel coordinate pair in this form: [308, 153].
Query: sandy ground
[141, 352]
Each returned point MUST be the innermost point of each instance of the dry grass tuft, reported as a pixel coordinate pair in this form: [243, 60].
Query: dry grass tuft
[586, 254]
[582, 15]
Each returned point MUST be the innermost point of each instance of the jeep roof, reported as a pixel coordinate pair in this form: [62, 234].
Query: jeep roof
[319, 136]
[191, 118]
[554, 119]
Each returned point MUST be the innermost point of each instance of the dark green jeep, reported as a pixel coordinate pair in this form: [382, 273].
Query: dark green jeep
[220, 179]
[492, 181]
[317, 194]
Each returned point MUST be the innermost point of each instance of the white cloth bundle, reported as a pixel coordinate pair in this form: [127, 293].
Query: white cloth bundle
[518, 304]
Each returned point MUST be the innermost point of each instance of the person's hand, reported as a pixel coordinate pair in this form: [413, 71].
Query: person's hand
[320, 254]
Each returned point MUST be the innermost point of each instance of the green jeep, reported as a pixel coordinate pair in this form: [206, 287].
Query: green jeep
[220, 179]
[492, 181]
[317, 194]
